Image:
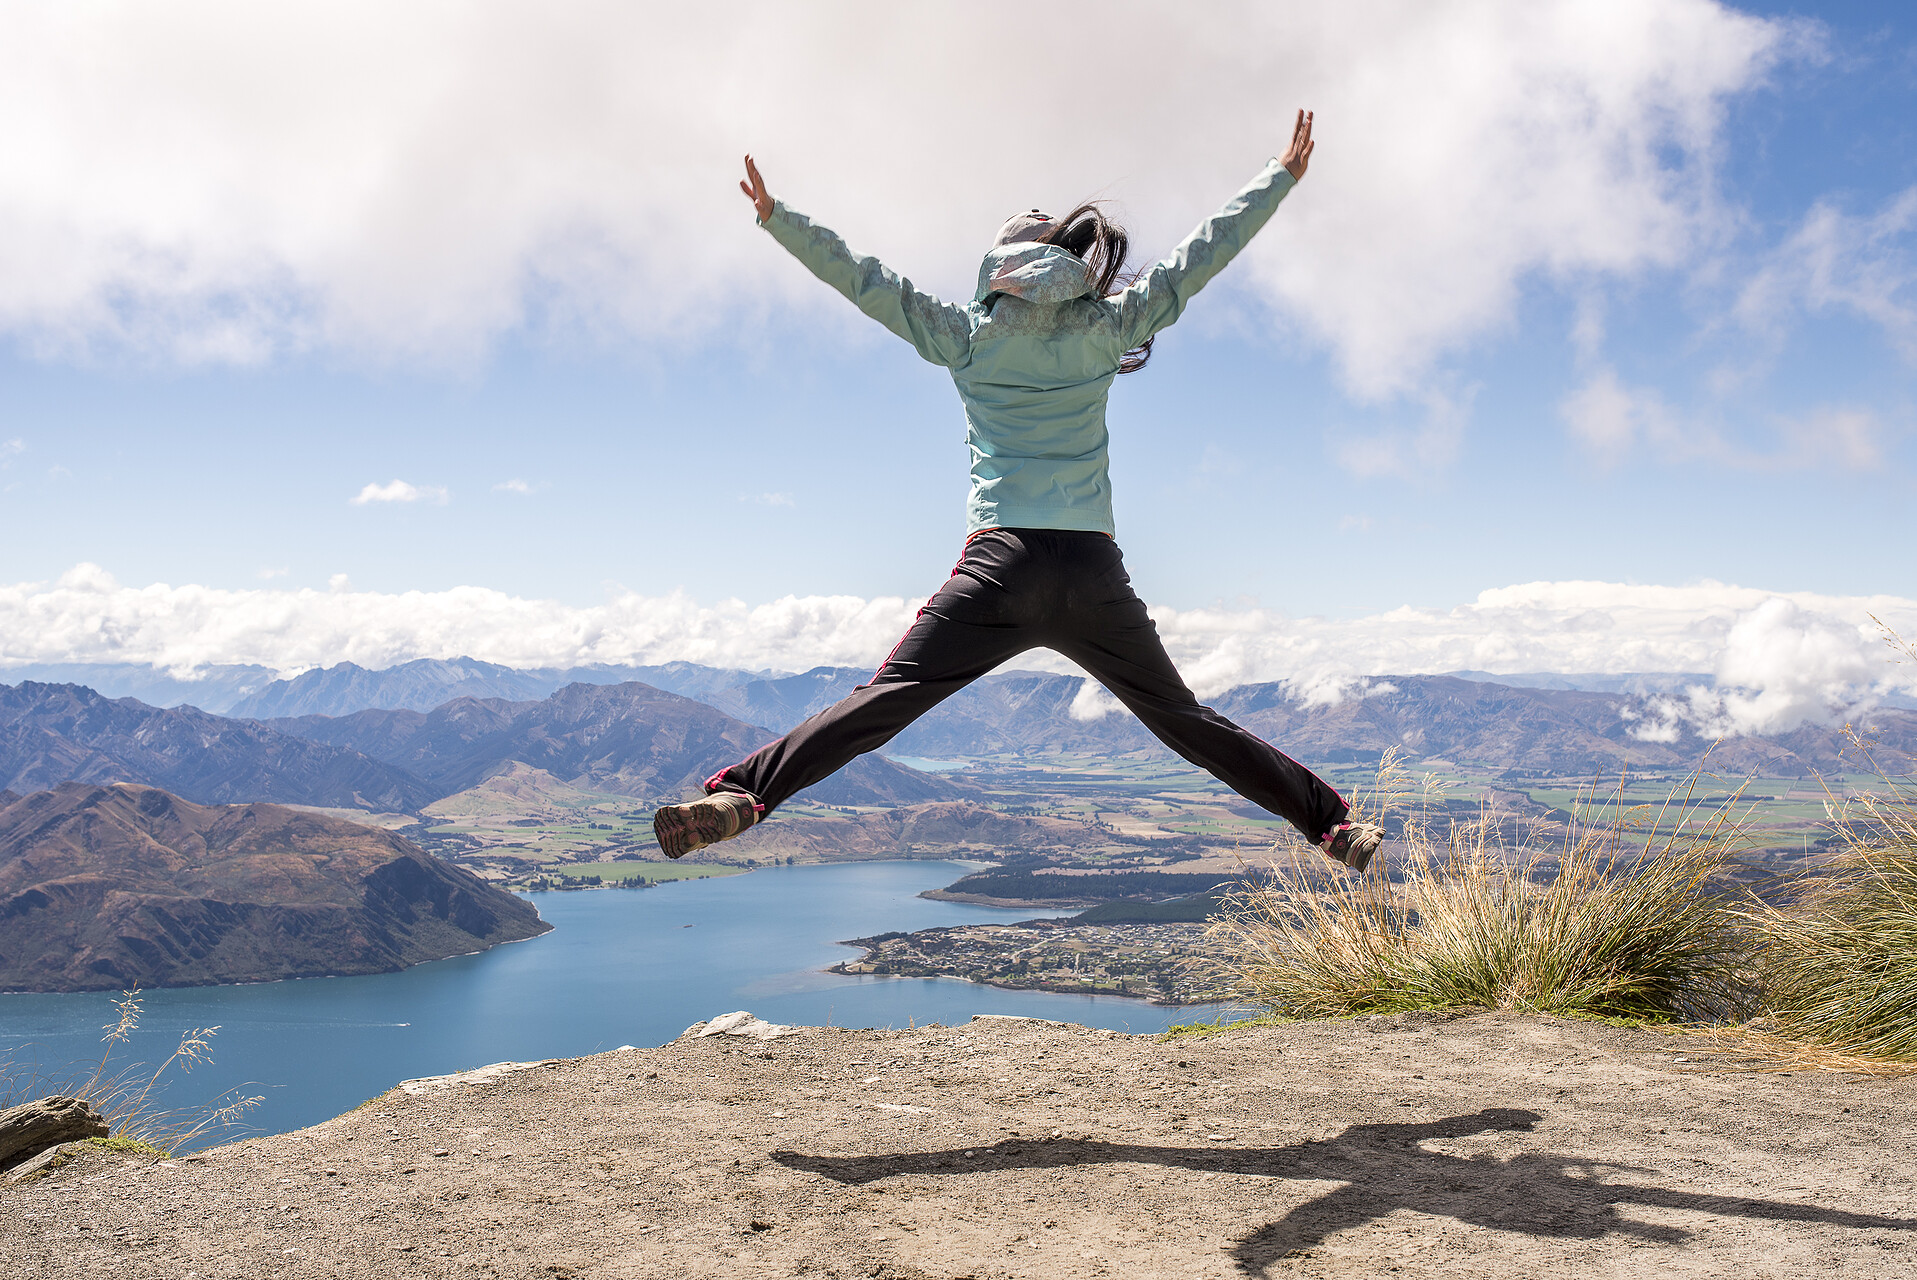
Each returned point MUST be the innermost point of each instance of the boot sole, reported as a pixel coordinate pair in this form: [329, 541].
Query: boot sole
[679, 832]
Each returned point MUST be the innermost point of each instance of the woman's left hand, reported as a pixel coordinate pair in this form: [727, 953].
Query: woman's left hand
[1299, 155]
[756, 192]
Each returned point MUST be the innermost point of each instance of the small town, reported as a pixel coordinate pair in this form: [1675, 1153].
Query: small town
[1168, 964]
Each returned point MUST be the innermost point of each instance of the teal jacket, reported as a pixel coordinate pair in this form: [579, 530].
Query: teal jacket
[1034, 354]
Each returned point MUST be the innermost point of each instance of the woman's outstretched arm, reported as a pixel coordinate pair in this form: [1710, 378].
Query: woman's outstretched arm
[1159, 296]
[939, 331]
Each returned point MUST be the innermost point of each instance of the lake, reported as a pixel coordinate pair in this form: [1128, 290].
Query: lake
[619, 967]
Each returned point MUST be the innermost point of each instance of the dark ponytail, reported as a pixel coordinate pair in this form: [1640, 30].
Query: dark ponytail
[1087, 233]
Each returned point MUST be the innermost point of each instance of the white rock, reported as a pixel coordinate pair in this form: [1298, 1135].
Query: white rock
[742, 1023]
[478, 1075]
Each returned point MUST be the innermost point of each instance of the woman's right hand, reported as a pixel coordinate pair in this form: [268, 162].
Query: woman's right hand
[1296, 158]
[755, 191]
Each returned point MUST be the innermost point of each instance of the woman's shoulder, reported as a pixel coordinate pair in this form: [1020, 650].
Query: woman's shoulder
[1004, 316]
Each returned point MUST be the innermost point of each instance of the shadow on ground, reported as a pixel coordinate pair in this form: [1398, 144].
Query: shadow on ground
[1384, 1169]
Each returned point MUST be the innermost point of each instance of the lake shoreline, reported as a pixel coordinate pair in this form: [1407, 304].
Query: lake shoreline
[631, 968]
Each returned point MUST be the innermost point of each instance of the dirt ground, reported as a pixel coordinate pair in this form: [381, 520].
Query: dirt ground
[1484, 1146]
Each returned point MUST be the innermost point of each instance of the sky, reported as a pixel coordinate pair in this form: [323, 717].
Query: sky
[343, 331]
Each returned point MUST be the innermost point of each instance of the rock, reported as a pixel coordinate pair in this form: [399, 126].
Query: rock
[478, 1075]
[29, 1129]
[743, 1023]
[39, 1166]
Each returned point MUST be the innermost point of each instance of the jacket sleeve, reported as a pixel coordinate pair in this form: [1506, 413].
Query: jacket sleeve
[940, 331]
[1159, 296]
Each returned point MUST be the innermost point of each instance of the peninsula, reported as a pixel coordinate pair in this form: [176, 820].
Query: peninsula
[113, 887]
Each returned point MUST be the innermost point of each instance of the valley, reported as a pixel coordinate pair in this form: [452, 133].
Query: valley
[557, 791]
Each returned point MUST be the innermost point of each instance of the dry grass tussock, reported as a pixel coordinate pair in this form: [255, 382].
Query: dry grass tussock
[1620, 922]
[1838, 961]
[131, 1097]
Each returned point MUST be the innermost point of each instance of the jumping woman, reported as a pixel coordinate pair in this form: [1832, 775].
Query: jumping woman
[1034, 355]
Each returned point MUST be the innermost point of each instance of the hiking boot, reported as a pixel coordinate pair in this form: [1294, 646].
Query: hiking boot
[1353, 843]
[682, 828]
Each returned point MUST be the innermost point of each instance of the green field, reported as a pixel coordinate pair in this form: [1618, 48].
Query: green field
[655, 872]
[1780, 816]
[523, 826]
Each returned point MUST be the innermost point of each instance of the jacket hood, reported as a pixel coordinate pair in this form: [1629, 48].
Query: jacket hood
[1034, 272]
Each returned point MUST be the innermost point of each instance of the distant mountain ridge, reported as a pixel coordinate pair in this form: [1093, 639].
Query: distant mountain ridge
[628, 739]
[55, 733]
[636, 739]
[1531, 729]
[426, 683]
[213, 688]
[115, 887]
[418, 686]
[1540, 726]
[254, 691]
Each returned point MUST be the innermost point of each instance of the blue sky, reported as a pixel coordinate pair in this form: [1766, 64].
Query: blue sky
[1460, 359]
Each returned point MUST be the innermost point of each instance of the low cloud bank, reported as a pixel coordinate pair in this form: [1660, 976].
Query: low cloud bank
[1779, 659]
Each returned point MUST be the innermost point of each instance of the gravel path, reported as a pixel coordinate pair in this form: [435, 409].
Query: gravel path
[1485, 1146]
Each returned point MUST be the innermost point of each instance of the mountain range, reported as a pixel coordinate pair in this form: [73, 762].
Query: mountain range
[254, 692]
[116, 887]
[628, 739]
[54, 733]
[641, 740]
[421, 685]
[1540, 726]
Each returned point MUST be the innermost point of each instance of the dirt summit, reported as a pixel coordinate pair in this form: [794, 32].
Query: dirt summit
[1484, 1146]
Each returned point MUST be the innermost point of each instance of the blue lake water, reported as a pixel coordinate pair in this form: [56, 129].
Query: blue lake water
[619, 967]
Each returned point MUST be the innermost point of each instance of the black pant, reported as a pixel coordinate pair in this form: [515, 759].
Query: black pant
[1019, 589]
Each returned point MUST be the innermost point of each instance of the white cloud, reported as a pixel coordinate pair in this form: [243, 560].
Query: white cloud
[1862, 264]
[1607, 418]
[1093, 701]
[9, 449]
[1847, 437]
[514, 485]
[1777, 658]
[400, 491]
[1782, 665]
[411, 182]
[1613, 420]
[271, 572]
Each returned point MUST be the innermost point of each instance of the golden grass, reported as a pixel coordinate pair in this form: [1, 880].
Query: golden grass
[1619, 922]
[1752, 1048]
[1837, 964]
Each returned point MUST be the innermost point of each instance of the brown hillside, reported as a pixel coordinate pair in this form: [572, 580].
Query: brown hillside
[105, 887]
